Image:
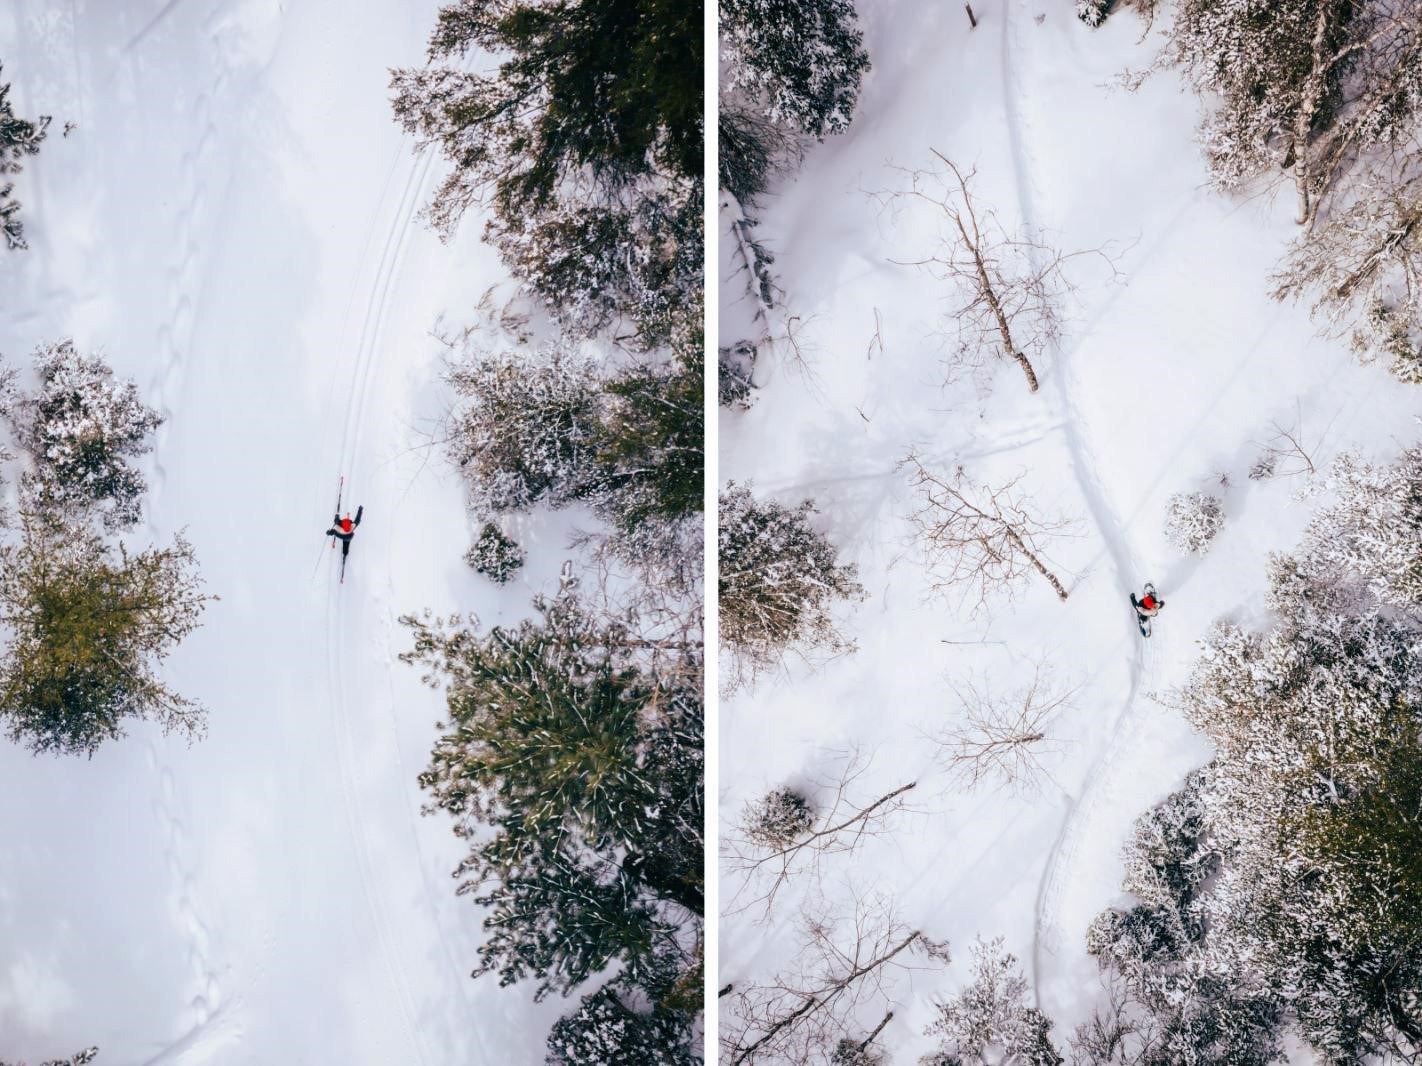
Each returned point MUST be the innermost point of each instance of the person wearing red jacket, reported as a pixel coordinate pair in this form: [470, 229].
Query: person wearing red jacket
[343, 529]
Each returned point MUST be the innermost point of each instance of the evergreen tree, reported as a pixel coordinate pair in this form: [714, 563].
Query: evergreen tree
[19, 138]
[89, 625]
[79, 428]
[778, 579]
[568, 765]
[586, 142]
[1317, 88]
[526, 428]
[495, 554]
[800, 61]
[605, 1032]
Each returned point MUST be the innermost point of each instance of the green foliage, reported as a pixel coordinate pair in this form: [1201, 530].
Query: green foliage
[89, 625]
[19, 138]
[495, 554]
[652, 443]
[603, 1031]
[607, 90]
[574, 771]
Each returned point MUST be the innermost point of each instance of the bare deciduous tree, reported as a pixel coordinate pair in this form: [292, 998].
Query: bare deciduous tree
[1009, 285]
[1118, 1033]
[1003, 737]
[801, 1016]
[844, 822]
[1285, 454]
[977, 537]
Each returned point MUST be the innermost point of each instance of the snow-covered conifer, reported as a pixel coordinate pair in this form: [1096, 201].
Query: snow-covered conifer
[779, 579]
[88, 627]
[989, 1023]
[1093, 12]
[1192, 521]
[1318, 89]
[777, 818]
[495, 553]
[603, 1031]
[19, 138]
[801, 61]
[524, 429]
[79, 428]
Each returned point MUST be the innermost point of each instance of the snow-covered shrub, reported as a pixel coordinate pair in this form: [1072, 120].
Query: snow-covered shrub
[604, 1032]
[778, 819]
[778, 579]
[524, 429]
[801, 61]
[733, 382]
[1093, 12]
[989, 1021]
[1393, 331]
[78, 428]
[85, 1056]
[18, 138]
[495, 553]
[1373, 529]
[852, 1052]
[1192, 520]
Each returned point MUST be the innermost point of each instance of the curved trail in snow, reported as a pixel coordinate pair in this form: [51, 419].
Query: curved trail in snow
[1061, 868]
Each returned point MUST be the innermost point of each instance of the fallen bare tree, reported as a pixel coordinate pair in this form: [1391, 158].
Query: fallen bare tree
[1002, 737]
[977, 537]
[1008, 286]
[781, 835]
[802, 1016]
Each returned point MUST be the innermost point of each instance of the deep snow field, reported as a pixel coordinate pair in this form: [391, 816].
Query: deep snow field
[233, 223]
[1165, 380]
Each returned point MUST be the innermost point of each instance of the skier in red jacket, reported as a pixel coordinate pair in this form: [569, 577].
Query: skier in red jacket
[343, 529]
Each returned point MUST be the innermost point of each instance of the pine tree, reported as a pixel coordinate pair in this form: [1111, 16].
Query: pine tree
[605, 1032]
[495, 554]
[800, 61]
[89, 625]
[526, 427]
[568, 766]
[18, 138]
[79, 428]
[779, 579]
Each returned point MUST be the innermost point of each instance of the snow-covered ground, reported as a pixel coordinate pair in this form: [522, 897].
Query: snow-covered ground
[233, 223]
[1165, 381]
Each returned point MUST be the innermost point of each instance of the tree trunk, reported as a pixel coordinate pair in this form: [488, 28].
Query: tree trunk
[1036, 563]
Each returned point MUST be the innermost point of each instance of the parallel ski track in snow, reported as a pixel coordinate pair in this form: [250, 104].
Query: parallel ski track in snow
[386, 271]
[1061, 868]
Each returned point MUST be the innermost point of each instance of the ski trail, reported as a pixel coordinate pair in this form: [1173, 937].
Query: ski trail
[386, 271]
[1062, 862]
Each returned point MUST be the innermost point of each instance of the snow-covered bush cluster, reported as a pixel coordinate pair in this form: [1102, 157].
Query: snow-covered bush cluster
[79, 428]
[779, 580]
[86, 1056]
[19, 138]
[495, 553]
[1286, 877]
[605, 1032]
[524, 426]
[778, 818]
[990, 1021]
[1192, 521]
[1093, 12]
